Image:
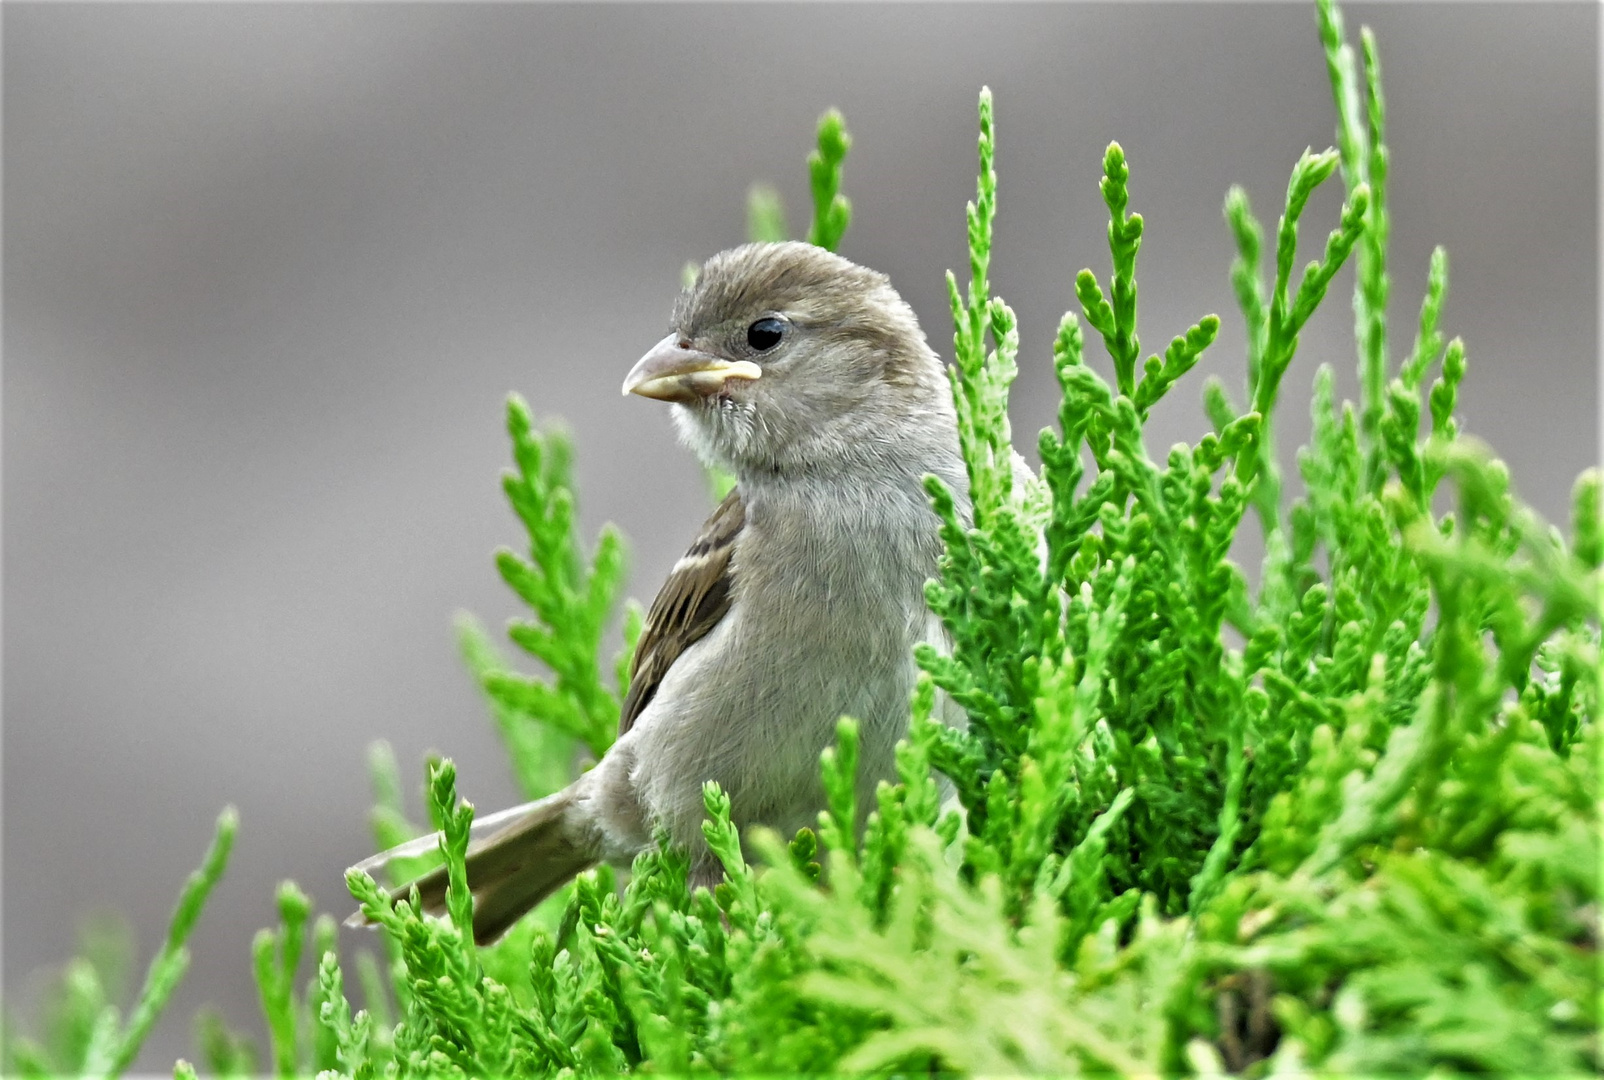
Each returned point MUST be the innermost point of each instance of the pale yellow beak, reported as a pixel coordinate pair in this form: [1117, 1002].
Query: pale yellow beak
[671, 372]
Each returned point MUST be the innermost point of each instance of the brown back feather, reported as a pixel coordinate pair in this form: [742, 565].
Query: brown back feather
[690, 603]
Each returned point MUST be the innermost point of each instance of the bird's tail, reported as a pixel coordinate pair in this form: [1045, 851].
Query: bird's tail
[516, 858]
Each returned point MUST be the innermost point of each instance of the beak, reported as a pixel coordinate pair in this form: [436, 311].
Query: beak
[671, 372]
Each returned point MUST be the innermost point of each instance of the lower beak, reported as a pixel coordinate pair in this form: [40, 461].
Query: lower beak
[671, 372]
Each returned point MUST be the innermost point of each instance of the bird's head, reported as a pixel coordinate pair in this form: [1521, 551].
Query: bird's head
[786, 358]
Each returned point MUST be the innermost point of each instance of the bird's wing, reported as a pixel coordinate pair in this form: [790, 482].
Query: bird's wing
[690, 603]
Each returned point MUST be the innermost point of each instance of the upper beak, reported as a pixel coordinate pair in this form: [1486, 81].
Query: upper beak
[671, 372]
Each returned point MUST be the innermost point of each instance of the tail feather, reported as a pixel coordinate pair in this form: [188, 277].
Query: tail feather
[533, 853]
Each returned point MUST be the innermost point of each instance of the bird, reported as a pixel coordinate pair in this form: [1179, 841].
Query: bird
[808, 377]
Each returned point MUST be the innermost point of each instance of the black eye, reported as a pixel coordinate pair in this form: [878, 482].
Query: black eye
[764, 334]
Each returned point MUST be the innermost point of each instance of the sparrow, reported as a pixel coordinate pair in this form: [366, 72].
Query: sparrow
[808, 378]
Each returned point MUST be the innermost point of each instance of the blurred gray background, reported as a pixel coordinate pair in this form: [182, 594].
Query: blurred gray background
[271, 269]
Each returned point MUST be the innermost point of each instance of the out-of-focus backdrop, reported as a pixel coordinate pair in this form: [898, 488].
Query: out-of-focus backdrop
[270, 270]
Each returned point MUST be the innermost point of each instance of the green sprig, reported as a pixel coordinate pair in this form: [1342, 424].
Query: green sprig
[572, 602]
[832, 211]
[1115, 318]
[110, 1046]
[277, 954]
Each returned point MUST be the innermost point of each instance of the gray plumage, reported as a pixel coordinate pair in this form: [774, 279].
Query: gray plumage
[802, 601]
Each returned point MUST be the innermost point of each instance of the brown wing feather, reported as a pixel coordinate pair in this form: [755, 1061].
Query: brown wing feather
[690, 603]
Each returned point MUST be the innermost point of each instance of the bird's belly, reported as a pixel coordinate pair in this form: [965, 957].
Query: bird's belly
[753, 711]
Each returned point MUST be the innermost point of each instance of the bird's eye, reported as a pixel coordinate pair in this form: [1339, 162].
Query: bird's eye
[764, 334]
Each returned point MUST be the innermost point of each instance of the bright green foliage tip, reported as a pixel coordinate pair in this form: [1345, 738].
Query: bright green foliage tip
[87, 1035]
[1115, 318]
[832, 211]
[277, 954]
[112, 1050]
[572, 599]
[980, 375]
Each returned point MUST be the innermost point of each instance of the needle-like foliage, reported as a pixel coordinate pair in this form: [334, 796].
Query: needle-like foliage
[832, 211]
[571, 598]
